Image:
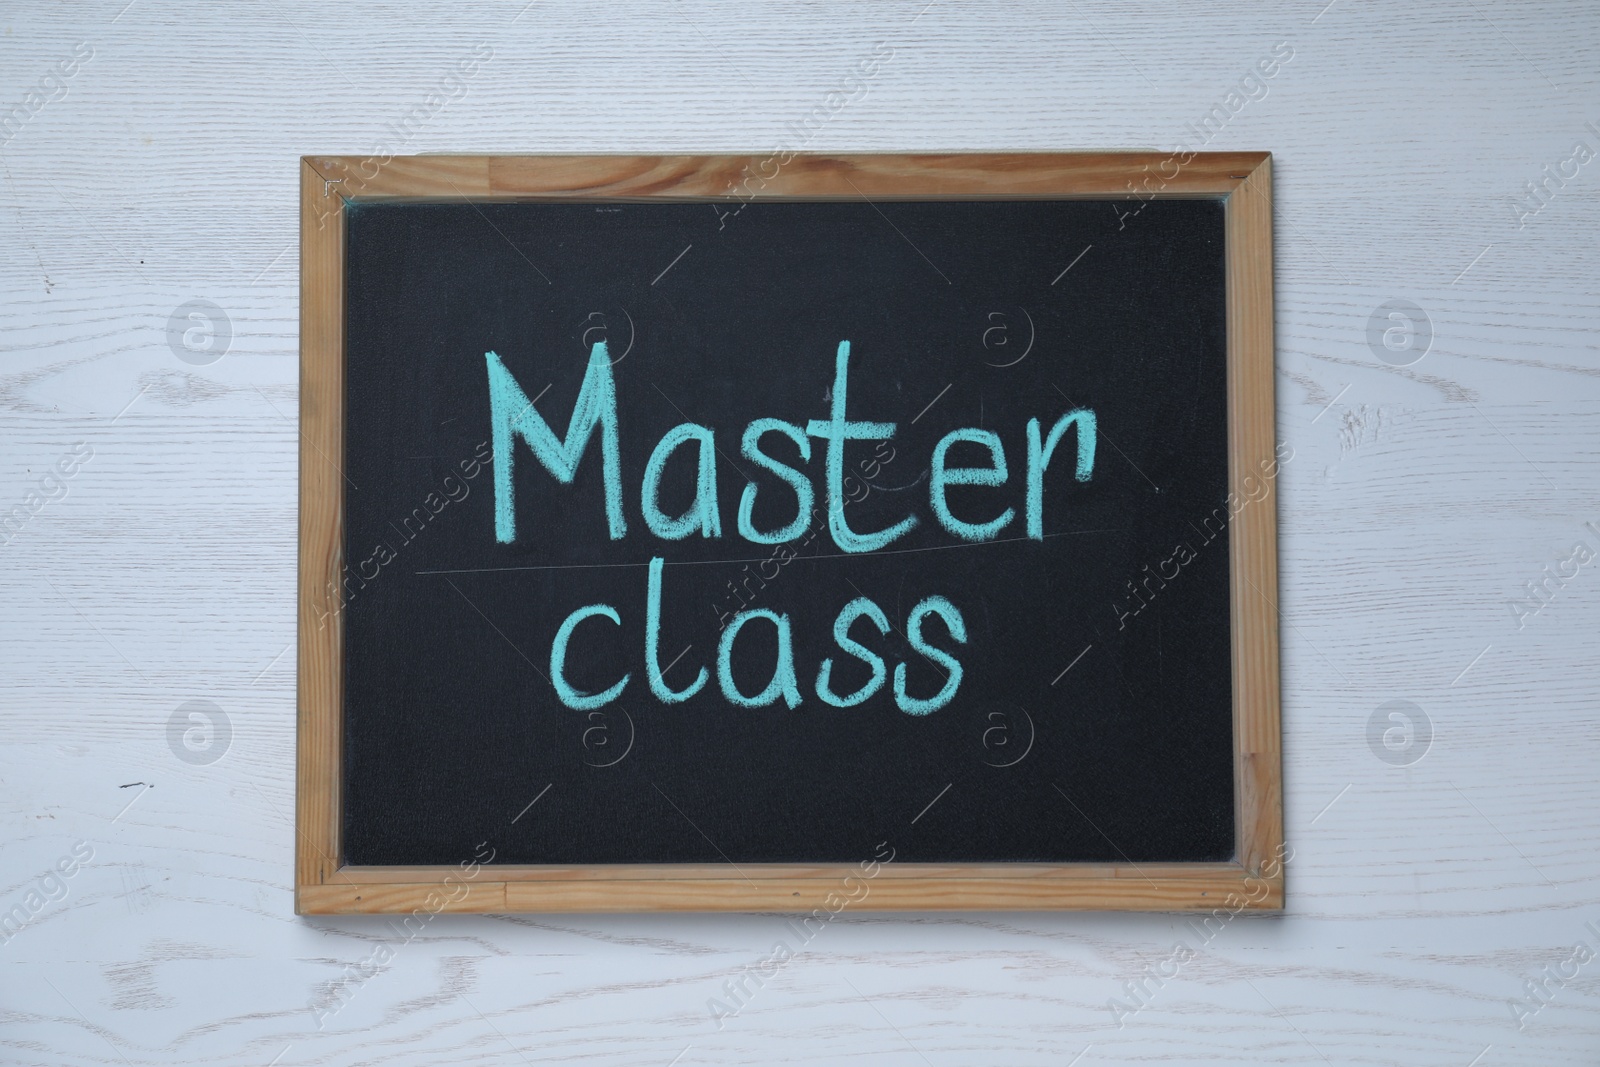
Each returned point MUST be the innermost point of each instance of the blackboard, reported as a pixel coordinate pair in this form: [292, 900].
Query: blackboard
[992, 492]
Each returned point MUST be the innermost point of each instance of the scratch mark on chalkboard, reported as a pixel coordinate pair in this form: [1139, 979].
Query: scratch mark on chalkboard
[897, 229]
[130, 785]
[497, 630]
[932, 402]
[760, 559]
[1074, 263]
[702, 833]
[531, 803]
[931, 803]
[686, 1048]
[1102, 833]
[912, 484]
[674, 262]
[1074, 663]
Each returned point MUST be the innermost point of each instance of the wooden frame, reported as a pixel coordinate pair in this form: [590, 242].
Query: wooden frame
[1254, 880]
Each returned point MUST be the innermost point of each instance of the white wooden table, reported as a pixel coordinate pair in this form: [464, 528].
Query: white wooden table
[1424, 892]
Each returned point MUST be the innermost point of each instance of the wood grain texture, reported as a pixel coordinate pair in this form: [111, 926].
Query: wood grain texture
[923, 887]
[1419, 502]
[321, 577]
[1243, 180]
[1253, 532]
[747, 178]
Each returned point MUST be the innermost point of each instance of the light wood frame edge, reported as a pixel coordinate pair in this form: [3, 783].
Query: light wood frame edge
[320, 678]
[1253, 533]
[1255, 881]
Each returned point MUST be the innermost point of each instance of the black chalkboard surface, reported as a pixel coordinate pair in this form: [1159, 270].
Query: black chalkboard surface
[1089, 659]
